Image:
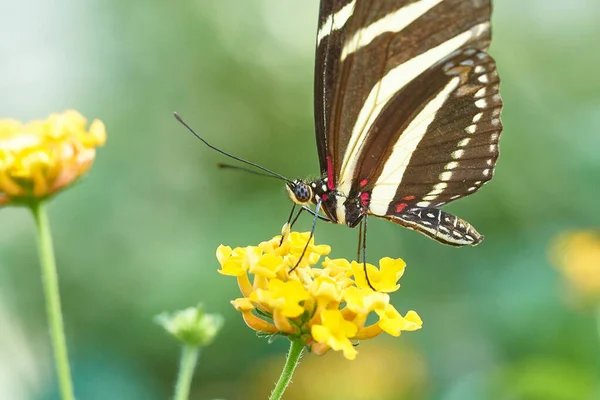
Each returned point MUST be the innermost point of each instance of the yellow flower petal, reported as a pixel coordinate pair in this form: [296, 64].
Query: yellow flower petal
[270, 246]
[245, 306]
[391, 271]
[325, 288]
[393, 323]
[98, 132]
[319, 348]
[297, 241]
[335, 331]
[282, 322]
[242, 304]
[267, 265]
[414, 321]
[283, 296]
[368, 332]
[359, 274]
[258, 324]
[223, 253]
[237, 261]
[363, 300]
[244, 284]
[384, 279]
[336, 266]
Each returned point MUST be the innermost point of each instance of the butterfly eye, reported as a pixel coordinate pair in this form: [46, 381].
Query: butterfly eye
[303, 192]
[299, 192]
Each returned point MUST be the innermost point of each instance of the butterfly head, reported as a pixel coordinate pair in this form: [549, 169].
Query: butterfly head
[299, 191]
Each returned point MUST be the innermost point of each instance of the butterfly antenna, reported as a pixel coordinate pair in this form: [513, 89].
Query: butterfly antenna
[250, 171]
[269, 172]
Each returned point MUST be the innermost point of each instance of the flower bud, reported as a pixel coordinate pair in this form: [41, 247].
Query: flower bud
[192, 326]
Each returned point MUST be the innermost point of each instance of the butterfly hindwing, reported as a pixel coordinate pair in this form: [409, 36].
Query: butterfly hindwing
[447, 147]
[438, 225]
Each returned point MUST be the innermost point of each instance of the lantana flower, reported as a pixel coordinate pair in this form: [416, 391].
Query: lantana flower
[41, 157]
[576, 254]
[37, 159]
[324, 305]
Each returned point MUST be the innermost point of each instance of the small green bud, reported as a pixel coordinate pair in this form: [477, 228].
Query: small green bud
[192, 326]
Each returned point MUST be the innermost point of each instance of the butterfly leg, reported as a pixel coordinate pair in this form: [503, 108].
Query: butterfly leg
[291, 221]
[291, 213]
[321, 217]
[362, 240]
[295, 218]
[312, 232]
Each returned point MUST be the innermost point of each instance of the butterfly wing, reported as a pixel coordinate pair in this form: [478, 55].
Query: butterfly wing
[363, 46]
[438, 139]
[448, 150]
[407, 109]
[438, 225]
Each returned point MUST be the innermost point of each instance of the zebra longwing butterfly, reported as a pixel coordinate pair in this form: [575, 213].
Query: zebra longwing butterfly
[407, 113]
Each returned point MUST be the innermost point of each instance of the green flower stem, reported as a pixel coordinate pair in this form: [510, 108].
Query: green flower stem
[598, 320]
[293, 358]
[187, 364]
[51, 292]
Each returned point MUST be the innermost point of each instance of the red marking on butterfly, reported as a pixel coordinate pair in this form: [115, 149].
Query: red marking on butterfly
[363, 182]
[400, 207]
[408, 198]
[324, 197]
[364, 198]
[330, 182]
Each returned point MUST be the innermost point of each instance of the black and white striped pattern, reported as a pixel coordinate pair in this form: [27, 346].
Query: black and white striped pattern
[407, 111]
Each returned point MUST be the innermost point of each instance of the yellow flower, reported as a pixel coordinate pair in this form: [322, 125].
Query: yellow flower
[325, 306]
[390, 321]
[384, 279]
[41, 157]
[336, 332]
[576, 255]
[282, 296]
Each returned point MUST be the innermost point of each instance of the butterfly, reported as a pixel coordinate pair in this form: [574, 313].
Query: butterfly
[407, 114]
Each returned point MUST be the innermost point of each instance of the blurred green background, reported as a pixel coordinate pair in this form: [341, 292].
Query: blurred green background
[138, 235]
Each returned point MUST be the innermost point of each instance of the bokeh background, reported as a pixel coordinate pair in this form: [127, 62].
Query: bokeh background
[138, 235]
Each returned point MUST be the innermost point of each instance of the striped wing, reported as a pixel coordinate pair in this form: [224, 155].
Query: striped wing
[370, 50]
[439, 225]
[447, 142]
[407, 110]
[448, 149]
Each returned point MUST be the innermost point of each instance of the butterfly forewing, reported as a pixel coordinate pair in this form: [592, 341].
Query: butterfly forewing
[362, 49]
[334, 16]
[407, 110]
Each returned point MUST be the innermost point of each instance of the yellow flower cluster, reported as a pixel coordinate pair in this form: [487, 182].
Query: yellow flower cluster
[326, 307]
[577, 256]
[41, 157]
